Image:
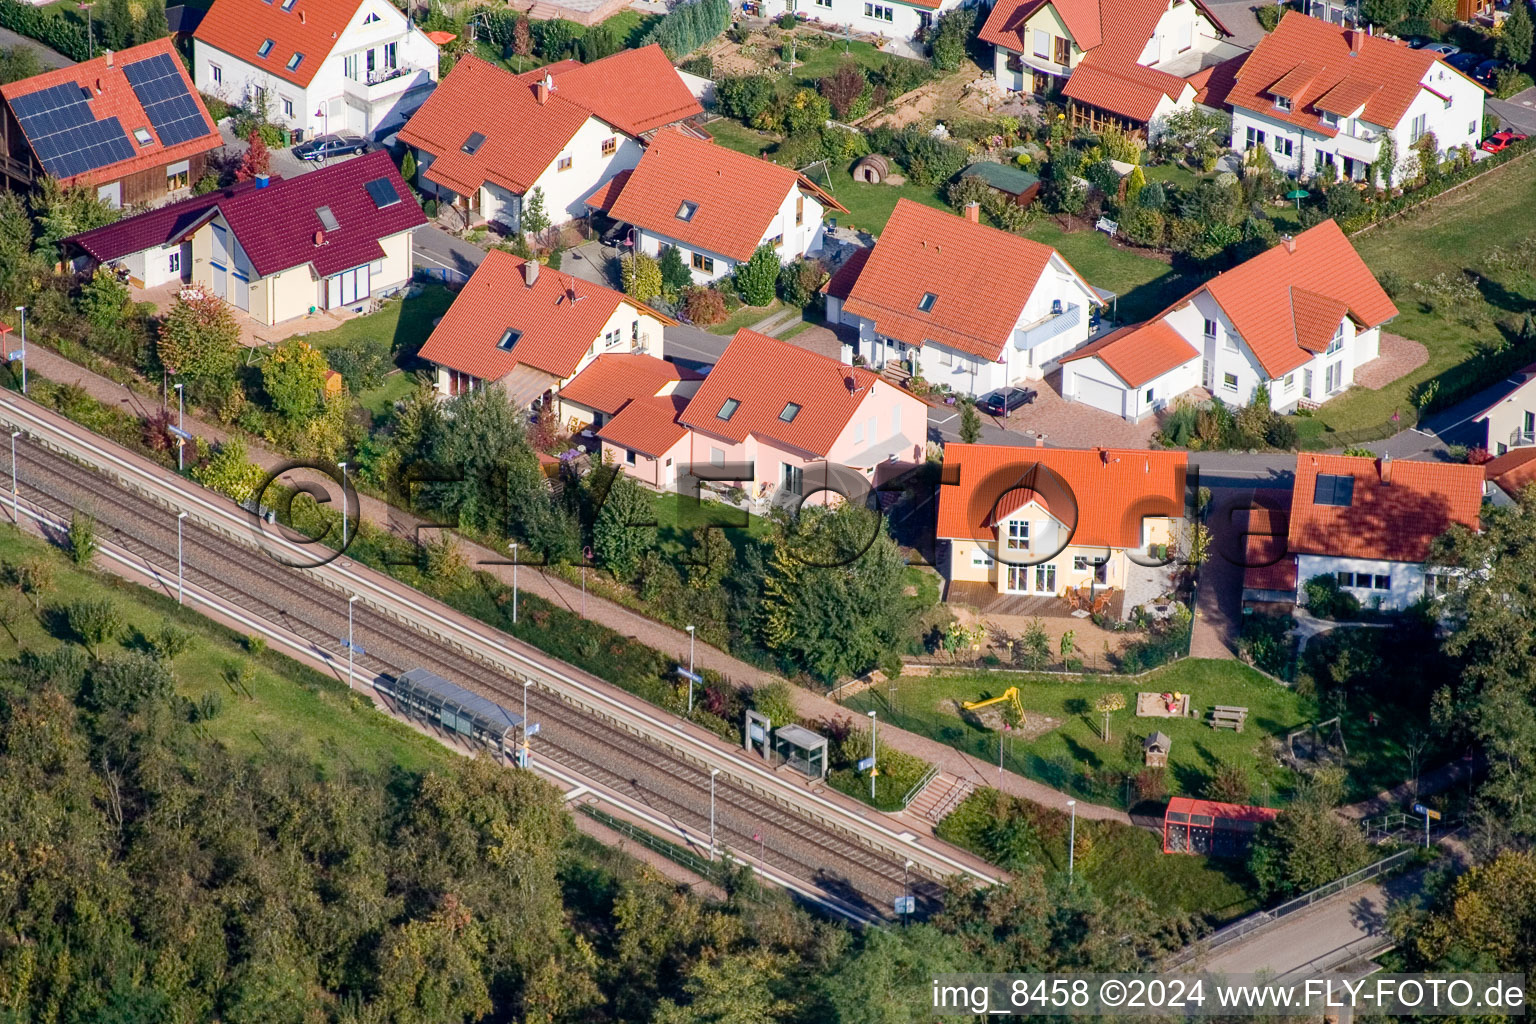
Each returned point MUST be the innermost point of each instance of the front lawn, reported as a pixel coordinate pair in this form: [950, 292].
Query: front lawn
[1072, 756]
[1453, 234]
[870, 206]
[1145, 286]
[746, 316]
[678, 515]
[405, 322]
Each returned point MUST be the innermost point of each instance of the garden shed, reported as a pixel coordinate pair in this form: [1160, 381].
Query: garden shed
[1009, 179]
[872, 169]
[1211, 828]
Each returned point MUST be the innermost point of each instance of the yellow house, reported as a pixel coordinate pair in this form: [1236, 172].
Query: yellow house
[336, 238]
[1045, 521]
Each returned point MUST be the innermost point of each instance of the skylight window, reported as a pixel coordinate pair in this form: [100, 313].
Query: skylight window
[265, 48]
[473, 143]
[327, 218]
[382, 192]
[295, 60]
[791, 410]
[925, 304]
[1334, 489]
[509, 337]
[728, 409]
[142, 136]
[288, 4]
[687, 210]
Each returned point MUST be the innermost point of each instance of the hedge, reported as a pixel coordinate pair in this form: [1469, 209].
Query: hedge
[689, 26]
[46, 27]
[1376, 212]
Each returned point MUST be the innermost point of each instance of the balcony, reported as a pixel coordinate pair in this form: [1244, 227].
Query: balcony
[1364, 145]
[1522, 438]
[386, 82]
[1048, 327]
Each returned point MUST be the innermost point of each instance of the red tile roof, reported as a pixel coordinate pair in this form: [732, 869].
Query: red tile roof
[636, 91]
[1287, 301]
[1309, 60]
[311, 27]
[1213, 85]
[1269, 565]
[608, 192]
[522, 135]
[112, 96]
[1140, 352]
[841, 283]
[555, 331]
[982, 277]
[157, 227]
[277, 226]
[737, 197]
[1104, 492]
[764, 375]
[1226, 812]
[650, 426]
[1513, 471]
[1392, 522]
[613, 379]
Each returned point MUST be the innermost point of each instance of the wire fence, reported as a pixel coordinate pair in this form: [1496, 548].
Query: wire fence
[717, 872]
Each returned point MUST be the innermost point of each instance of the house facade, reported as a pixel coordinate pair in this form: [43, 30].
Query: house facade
[1133, 372]
[1129, 63]
[531, 330]
[128, 124]
[1509, 419]
[717, 206]
[487, 139]
[338, 65]
[1369, 524]
[1042, 521]
[337, 238]
[898, 19]
[1322, 98]
[962, 304]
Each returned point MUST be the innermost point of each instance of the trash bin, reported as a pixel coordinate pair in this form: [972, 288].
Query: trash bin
[287, 138]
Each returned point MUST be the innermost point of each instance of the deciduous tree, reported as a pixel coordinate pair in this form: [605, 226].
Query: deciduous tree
[199, 344]
[294, 378]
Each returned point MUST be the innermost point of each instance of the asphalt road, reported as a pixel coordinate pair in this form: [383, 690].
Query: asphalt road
[51, 58]
[435, 249]
[1518, 113]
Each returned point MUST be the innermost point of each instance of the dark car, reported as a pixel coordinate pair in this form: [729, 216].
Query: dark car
[1417, 42]
[1465, 62]
[1499, 141]
[1004, 400]
[1488, 71]
[324, 147]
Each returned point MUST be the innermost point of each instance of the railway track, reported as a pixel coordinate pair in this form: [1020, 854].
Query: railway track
[859, 879]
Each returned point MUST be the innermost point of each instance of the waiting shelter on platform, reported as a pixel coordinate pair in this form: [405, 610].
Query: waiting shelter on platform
[802, 749]
[1210, 827]
[430, 698]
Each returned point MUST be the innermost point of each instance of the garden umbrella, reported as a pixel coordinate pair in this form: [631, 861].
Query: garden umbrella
[1297, 194]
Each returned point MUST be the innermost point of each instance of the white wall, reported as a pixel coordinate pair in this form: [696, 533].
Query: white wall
[565, 192]
[1407, 579]
[904, 23]
[1113, 395]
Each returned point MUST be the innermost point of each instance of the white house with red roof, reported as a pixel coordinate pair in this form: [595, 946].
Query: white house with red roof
[1508, 419]
[530, 330]
[128, 124]
[337, 238]
[486, 138]
[1299, 319]
[715, 205]
[1128, 62]
[1367, 523]
[316, 65]
[894, 19]
[962, 304]
[1043, 521]
[1315, 94]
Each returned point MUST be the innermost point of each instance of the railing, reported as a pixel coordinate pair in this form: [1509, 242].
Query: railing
[712, 871]
[1050, 327]
[369, 85]
[1521, 438]
[918, 787]
[1264, 918]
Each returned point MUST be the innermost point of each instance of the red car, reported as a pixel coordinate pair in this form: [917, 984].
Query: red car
[1500, 140]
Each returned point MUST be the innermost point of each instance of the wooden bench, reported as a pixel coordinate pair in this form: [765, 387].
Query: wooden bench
[1225, 717]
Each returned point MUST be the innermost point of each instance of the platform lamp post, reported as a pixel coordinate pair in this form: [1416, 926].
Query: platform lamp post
[181, 425]
[343, 466]
[90, 39]
[15, 494]
[181, 576]
[690, 669]
[514, 582]
[906, 893]
[23, 311]
[527, 754]
[351, 647]
[712, 773]
[1072, 839]
[873, 767]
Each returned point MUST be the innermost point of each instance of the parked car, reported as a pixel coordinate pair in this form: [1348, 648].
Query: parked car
[1465, 62]
[324, 147]
[1417, 42]
[1488, 71]
[1499, 141]
[1004, 400]
[1443, 49]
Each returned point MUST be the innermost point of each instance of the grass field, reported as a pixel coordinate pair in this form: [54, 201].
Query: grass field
[405, 322]
[870, 206]
[1072, 755]
[1451, 234]
[1145, 286]
[282, 704]
[678, 515]
[746, 316]
[735, 135]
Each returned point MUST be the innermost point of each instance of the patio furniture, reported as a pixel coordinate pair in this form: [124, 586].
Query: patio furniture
[1072, 600]
[1225, 717]
[1101, 603]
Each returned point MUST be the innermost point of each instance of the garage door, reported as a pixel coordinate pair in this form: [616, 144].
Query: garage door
[1109, 397]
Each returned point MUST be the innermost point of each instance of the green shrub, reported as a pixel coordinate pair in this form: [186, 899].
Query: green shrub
[757, 278]
[777, 701]
[1327, 600]
[950, 36]
[800, 281]
[1269, 15]
[744, 97]
[429, 208]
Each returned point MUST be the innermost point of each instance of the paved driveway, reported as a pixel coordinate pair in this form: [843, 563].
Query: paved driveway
[50, 58]
[1517, 113]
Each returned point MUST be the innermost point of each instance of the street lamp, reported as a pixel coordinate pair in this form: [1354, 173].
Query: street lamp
[906, 893]
[181, 420]
[351, 647]
[690, 669]
[527, 754]
[712, 773]
[15, 498]
[23, 311]
[873, 770]
[343, 466]
[514, 583]
[1072, 840]
[90, 39]
[181, 578]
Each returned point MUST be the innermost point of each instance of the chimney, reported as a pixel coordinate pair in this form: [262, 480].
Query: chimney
[1039, 440]
[319, 238]
[530, 272]
[262, 181]
[107, 56]
[541, 92]
[1354, 37]
[1386, 470]
[1289, 241]
[973, 212]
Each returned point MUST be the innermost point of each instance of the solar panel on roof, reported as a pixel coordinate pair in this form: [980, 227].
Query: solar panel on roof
[473, 142]
[162, 92]
[64, 135]
[382, 190]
